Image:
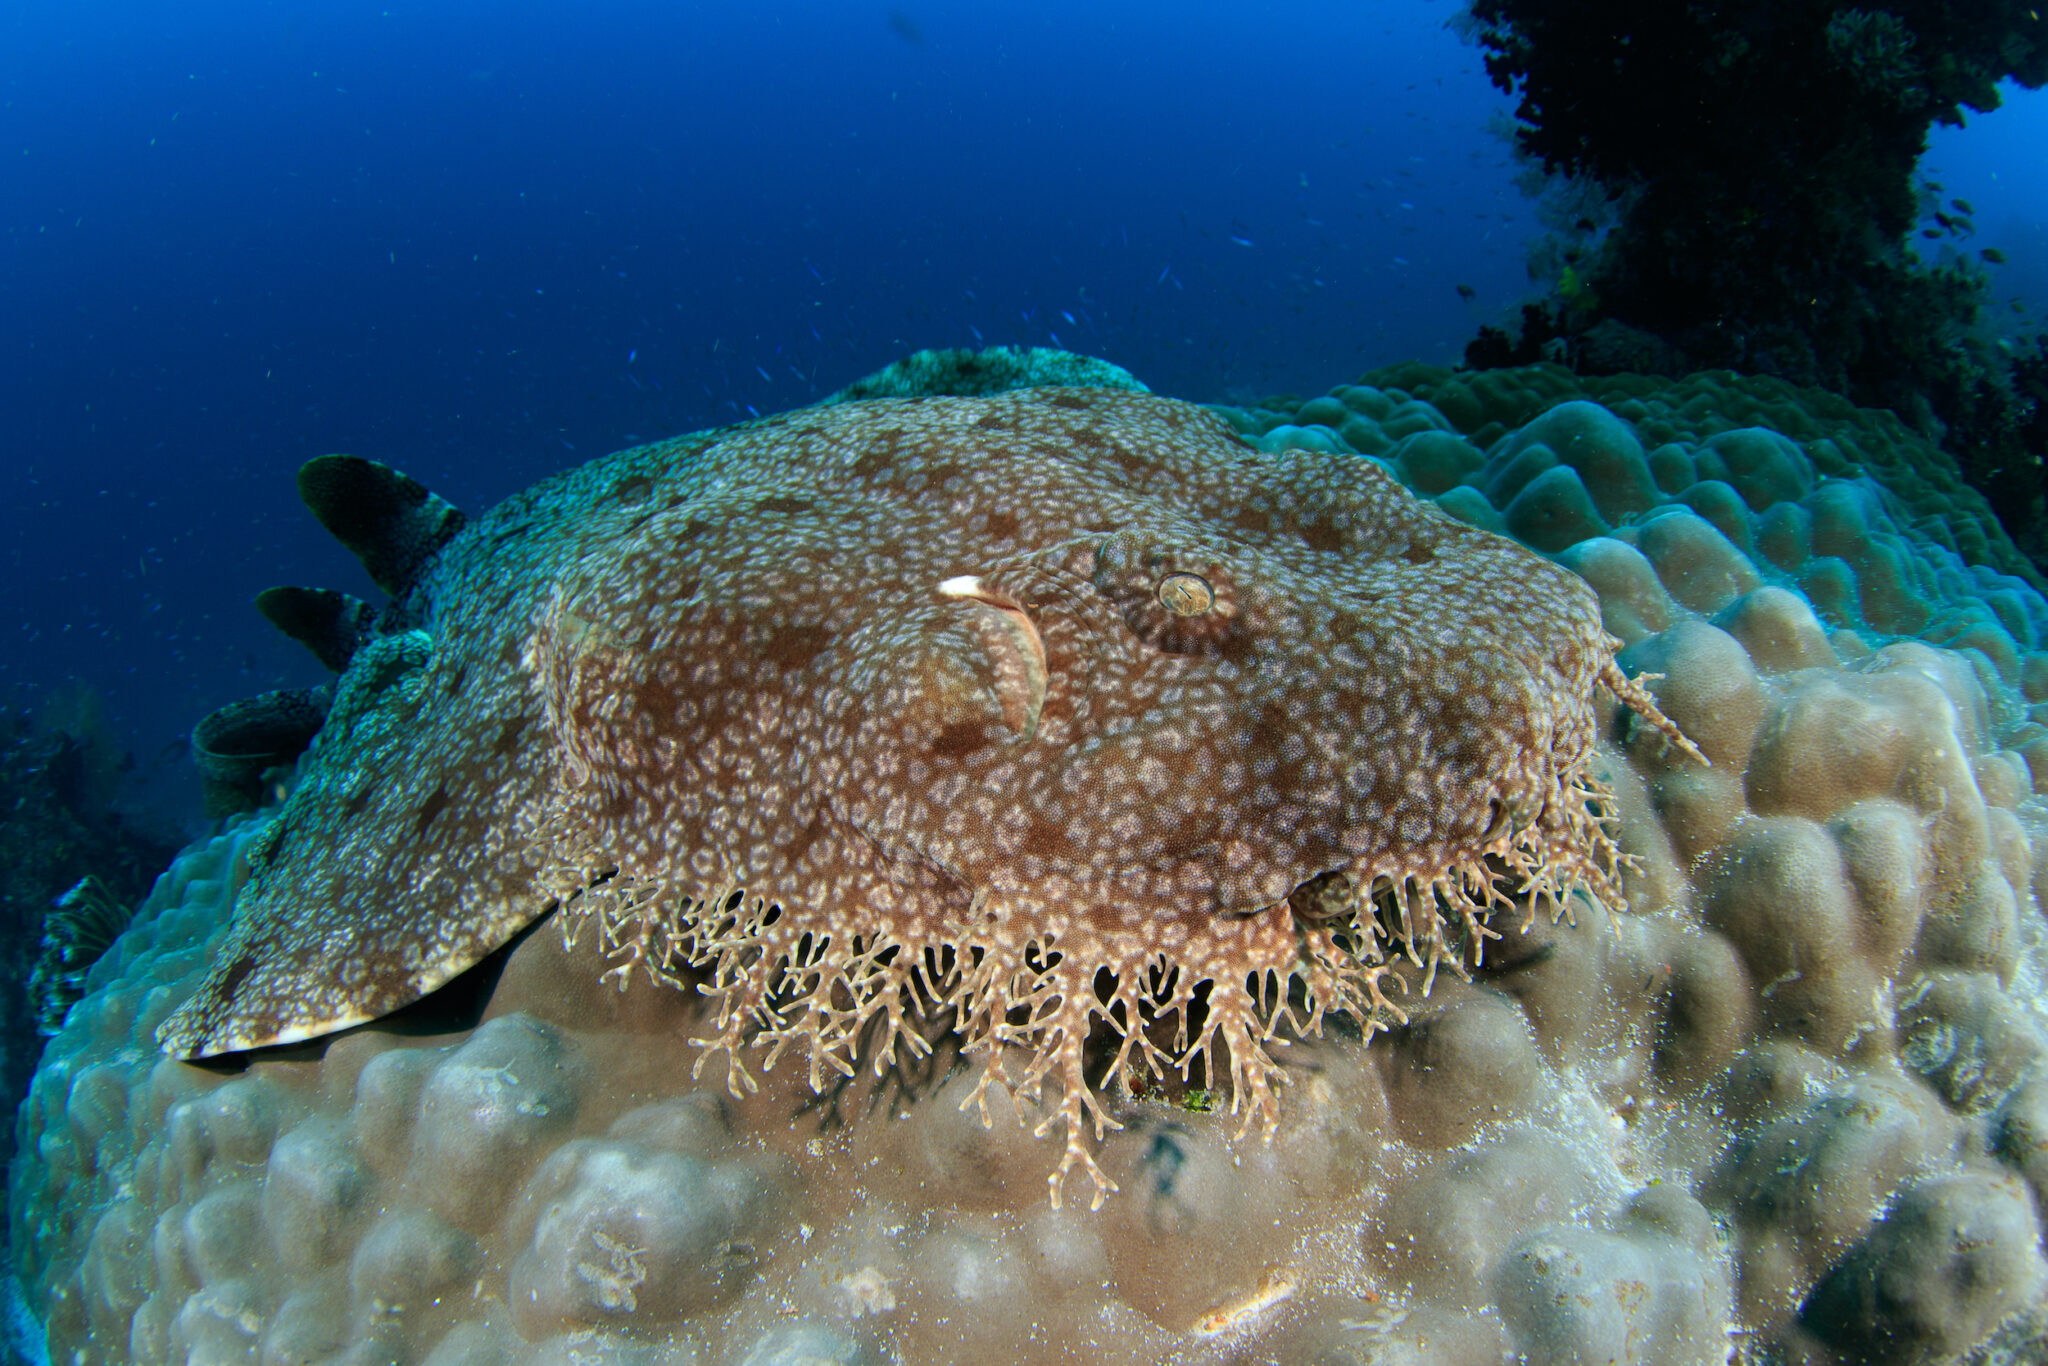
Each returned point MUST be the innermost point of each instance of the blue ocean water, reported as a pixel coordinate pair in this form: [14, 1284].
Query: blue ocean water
[482, 241]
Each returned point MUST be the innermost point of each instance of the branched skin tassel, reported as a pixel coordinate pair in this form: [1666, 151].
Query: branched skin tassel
[1061, 713]
[779, 983]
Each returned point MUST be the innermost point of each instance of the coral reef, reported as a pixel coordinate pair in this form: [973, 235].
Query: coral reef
[992, 370]
[1759, 159]
[60, 774]
[79, 926]
[1790, 1100]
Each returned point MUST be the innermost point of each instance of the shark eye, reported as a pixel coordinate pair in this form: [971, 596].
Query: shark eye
[1186, 595]
[1180, 599]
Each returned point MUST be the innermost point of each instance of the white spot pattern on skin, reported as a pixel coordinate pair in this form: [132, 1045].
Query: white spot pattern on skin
[707, 694]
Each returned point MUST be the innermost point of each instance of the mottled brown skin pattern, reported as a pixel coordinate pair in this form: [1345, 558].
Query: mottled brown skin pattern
[950, 700]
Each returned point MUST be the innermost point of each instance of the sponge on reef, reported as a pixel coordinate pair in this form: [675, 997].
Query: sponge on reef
[1796, 1094]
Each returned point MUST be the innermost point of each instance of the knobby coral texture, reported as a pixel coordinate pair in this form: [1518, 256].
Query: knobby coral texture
[1787, 1099]
[1044, 710]
[1759, 162]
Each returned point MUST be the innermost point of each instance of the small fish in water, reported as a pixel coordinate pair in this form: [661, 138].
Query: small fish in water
[1993, 255]
[1242, 241]
[1962, 206]
[633, 355]
[906, 28]
[1276, 1286]
[1467, 293]
[764, 374]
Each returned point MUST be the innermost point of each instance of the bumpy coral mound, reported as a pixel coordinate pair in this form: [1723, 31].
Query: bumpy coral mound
[1794, 1096]
[990, 370]
[1679, 425]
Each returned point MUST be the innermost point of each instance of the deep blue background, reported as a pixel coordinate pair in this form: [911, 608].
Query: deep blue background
[481, 241]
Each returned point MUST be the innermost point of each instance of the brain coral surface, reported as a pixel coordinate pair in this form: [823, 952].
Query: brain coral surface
[1788, 1102]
